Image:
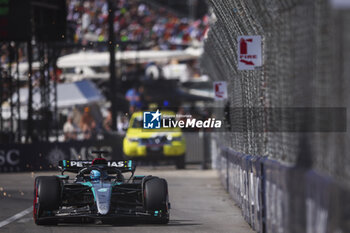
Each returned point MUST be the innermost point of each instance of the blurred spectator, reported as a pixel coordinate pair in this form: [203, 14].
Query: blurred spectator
[69, 129]
[87, 124]
[107, 123]
[123, 123]
[134, 20]
[134, 96]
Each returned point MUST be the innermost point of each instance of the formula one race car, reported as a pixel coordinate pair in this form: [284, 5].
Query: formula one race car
[99, 192]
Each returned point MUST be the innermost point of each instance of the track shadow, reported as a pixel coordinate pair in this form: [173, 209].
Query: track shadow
[172, 223]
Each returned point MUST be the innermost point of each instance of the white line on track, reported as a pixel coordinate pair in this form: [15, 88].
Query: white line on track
[16, 216]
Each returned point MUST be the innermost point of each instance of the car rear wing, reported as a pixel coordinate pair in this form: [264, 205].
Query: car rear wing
[77, 165]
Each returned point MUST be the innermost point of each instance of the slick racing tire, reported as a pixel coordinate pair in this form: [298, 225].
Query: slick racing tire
[47, 197]
[156, 198]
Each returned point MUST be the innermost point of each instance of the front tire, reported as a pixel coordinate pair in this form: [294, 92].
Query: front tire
[47, 197]
[156, 198]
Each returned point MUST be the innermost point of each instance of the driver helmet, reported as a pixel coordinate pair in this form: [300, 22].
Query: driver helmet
[95, 175]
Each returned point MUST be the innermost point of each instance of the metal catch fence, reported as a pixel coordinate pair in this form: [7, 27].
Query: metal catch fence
[306, 56]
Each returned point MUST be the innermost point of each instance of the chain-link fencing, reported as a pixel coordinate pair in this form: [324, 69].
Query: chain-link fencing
[306, 57]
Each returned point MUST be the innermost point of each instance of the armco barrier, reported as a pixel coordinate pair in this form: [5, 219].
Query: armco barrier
[241, 177]
[327, 205]
[296, 191]
[223, 168]
[277, 198]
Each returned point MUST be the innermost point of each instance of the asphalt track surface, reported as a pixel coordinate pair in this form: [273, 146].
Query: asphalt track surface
[198, 201]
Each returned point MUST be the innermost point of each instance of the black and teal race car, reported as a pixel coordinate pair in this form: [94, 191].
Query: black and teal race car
[100, 192]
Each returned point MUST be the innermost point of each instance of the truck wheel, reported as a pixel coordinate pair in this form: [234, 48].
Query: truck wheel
[180, 162]
[47, 197]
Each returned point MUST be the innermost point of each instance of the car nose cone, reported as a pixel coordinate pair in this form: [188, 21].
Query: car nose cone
[102, 197]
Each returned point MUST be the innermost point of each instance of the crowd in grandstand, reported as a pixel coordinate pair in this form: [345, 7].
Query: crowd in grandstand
[134, 21]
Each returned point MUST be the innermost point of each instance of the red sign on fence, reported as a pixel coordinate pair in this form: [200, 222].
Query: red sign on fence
[220, 90]
[249, 52]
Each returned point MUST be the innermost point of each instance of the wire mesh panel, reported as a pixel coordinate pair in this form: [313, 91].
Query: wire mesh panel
[305, 50]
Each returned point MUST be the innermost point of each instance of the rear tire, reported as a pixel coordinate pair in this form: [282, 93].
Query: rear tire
[164, 220]
[47, 197]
